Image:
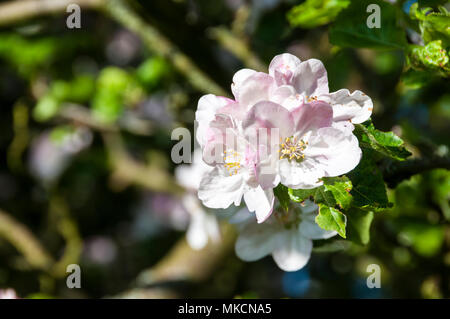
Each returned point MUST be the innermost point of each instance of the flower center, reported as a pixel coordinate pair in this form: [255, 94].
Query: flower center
[292, 148]
[232, 161]
[311, 98]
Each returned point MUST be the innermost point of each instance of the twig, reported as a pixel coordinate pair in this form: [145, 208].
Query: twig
[395, 172]
[128, 170]
[17, 11]
[237, 47]
[182, 264]
[25, 242]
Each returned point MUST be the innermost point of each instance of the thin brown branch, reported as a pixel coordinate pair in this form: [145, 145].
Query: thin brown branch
[396, 172]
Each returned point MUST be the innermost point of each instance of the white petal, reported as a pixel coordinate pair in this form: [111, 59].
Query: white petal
[202, 226]
[259, 201]
[282, 68]
[304, 174]
[255, 88]
[335, 151]
[190, 175]
[311, 78]
[356, 107]
[309, 229]
[256, 241]
[282, 93]
[239, 77]
[206, 110]
[219, 190]
[293, 251]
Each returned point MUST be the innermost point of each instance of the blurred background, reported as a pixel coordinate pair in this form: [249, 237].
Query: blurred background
[86, 175]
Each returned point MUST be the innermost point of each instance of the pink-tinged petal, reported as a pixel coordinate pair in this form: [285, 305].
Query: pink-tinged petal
[311, 78]
[267, 170]
[235, 110]
[343, 126]
[238, 78]
[256, 241]
[304, 174]
[355, 107]
[254, 89]
[283, 67]
[208, 105]
[293, 102]
[281, 93]
[312, 116]
[293, 251]
[335, 151]
[219, 190]
[259, 201]
[269, 116]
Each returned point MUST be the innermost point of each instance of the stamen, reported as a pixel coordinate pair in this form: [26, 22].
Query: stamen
[292, 149]
[232, 162]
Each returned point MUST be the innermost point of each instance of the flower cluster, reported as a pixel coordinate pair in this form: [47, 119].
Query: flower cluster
[281, 127]
[307, 130]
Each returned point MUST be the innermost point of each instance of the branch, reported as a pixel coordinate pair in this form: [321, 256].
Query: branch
[237, 47]
[25, 242]
[17, 11]
[128, 170]
[395, 172]
[182, 264]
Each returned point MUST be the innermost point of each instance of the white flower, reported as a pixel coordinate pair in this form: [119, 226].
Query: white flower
[287, 236]
[202, 225]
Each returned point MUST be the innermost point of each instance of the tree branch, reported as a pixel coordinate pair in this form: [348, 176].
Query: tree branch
[395, 172]
[25, 242]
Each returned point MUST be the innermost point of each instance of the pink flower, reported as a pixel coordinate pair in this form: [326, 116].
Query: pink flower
[283, 126]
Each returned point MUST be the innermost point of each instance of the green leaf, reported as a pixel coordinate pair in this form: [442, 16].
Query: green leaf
[350, 28]
[368, 184]
[314, 13]
[386, 143]
[433, 25]
[358, 225]
[340, 187]
[432, 57]
[318, 195]
[414, 79]
[330, 218]
[281, 192]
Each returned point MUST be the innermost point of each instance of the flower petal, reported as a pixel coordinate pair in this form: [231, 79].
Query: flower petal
[312, 116]
[335, 151]
[206, 111]
[300, 175]
[219, 190]
[293, 251]
[269, 115]
[256, 241]
[311, 78]
[309, 229]
[202, 226]
[238, 78]
[356, 107]
[260, 201]
[257, 87]
[282, 68]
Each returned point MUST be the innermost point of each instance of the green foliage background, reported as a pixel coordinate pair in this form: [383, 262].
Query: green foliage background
[393, 209]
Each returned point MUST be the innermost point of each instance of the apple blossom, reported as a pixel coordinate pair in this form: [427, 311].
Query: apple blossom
[287, 236]
[309, 147]
[202, 225]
